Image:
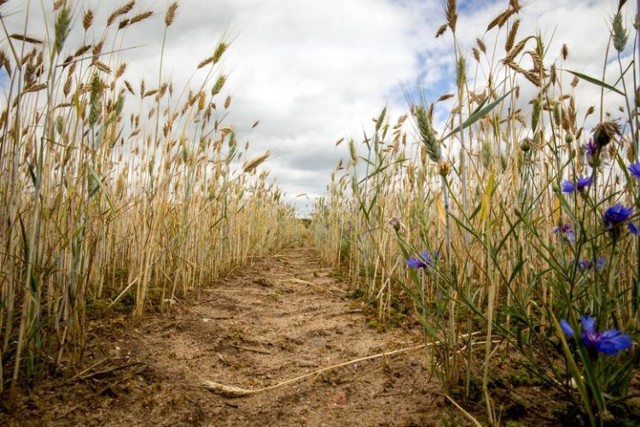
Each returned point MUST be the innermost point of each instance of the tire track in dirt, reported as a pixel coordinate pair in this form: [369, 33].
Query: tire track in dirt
[280, 317]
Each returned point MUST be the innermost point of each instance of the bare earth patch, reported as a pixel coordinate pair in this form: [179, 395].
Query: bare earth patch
[282, 317]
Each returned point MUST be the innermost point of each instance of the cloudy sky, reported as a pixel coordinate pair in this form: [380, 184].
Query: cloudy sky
[314, 71]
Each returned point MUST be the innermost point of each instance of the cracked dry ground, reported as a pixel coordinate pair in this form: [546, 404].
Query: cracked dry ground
[284, 316]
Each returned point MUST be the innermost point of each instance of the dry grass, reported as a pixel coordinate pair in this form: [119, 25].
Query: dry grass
[114, 195]
[484, 190]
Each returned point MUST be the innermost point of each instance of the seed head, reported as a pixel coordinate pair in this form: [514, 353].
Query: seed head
[87, 19]
[620, 34]
[441, 30]
[171, 14]
[120, 11]
[397, 224]
[217, 87]
[535, 114]
[95, 107]
[604, 132]
[220, 50]
[427, 134]
[481, 45]
[352, 150]
[444, 168]
[62, 28]
[476, 54]
[486, 153]
[525, 144]
[451, 14]
[141, 17]
[252, 164]
[461, 75]
[511, 37]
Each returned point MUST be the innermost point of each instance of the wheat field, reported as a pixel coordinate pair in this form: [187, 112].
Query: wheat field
[500, 217]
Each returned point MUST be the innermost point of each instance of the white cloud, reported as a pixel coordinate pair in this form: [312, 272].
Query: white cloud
[582, 25]
[314, 71]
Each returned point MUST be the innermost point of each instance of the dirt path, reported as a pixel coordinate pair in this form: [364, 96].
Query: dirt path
[282, 317]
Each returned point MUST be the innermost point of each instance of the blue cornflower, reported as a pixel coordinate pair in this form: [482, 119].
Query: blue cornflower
[584, 264]
[634, 169]
[592, 152]
[570, 186]
[590, 148]
[424, 260]
[567, 231]
[610, 342]
[616, 215]
[583, 182]
[416, 263]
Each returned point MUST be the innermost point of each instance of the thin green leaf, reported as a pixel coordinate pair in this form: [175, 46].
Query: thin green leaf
[378, 171]
[479, 113]
[596, 82]
[98, 182]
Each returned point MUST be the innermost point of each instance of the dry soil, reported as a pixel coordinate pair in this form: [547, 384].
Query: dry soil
[283, 316]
